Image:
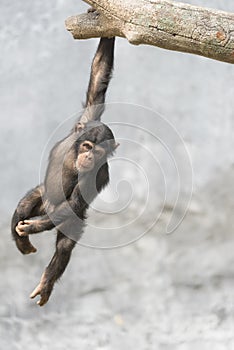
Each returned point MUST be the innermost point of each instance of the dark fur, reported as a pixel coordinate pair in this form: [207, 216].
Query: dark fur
[64, 197]
[100, 76]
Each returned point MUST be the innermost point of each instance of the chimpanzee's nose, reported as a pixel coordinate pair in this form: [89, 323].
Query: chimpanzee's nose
[89, 156]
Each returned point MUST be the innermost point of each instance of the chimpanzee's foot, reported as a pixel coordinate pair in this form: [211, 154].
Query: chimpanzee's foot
[24, 245]
[43, 289]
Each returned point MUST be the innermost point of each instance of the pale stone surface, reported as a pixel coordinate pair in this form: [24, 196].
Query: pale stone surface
[165, 291]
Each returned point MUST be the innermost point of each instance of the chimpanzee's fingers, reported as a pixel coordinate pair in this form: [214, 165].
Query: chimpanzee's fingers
[25, 227]
[28, 222]
[20, 230]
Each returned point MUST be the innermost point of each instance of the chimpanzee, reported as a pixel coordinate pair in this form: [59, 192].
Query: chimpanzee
[77, 171]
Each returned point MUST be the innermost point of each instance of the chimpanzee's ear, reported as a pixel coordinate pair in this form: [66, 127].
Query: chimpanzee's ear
[79, 127]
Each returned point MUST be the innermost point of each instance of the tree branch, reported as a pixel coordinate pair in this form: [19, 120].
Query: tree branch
[166, 24]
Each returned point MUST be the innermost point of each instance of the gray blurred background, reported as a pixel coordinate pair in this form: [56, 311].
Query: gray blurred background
[164, 291]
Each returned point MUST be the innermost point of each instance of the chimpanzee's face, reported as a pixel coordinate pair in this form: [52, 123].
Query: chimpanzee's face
[89, 155]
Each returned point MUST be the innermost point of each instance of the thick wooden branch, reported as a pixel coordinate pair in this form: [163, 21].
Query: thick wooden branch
[170, 25]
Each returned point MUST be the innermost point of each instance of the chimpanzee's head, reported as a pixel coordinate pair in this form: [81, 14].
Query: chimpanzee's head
[95, 142]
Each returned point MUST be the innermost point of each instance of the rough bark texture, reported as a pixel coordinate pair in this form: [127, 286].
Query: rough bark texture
[170, 25]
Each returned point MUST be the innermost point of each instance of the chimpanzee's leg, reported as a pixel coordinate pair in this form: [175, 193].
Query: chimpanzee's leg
[58, 264]
[29, 206]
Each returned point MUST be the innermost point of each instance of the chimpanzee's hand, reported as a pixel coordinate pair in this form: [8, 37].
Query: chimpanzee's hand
[26, 227]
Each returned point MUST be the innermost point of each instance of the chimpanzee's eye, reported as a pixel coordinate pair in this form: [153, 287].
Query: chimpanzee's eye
[87, 146]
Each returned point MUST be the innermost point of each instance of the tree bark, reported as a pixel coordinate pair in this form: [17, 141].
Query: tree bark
[166, 24]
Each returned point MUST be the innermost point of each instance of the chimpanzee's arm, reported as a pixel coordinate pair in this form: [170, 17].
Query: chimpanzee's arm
[72, 208]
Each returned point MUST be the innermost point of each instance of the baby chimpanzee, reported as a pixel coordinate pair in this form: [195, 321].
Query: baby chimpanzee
[76, 173]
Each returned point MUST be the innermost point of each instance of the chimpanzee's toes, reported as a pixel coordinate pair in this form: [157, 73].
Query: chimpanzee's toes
[44, 290]
[24, 245]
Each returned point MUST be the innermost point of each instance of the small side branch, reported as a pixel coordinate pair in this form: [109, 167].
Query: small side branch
[166, 24]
